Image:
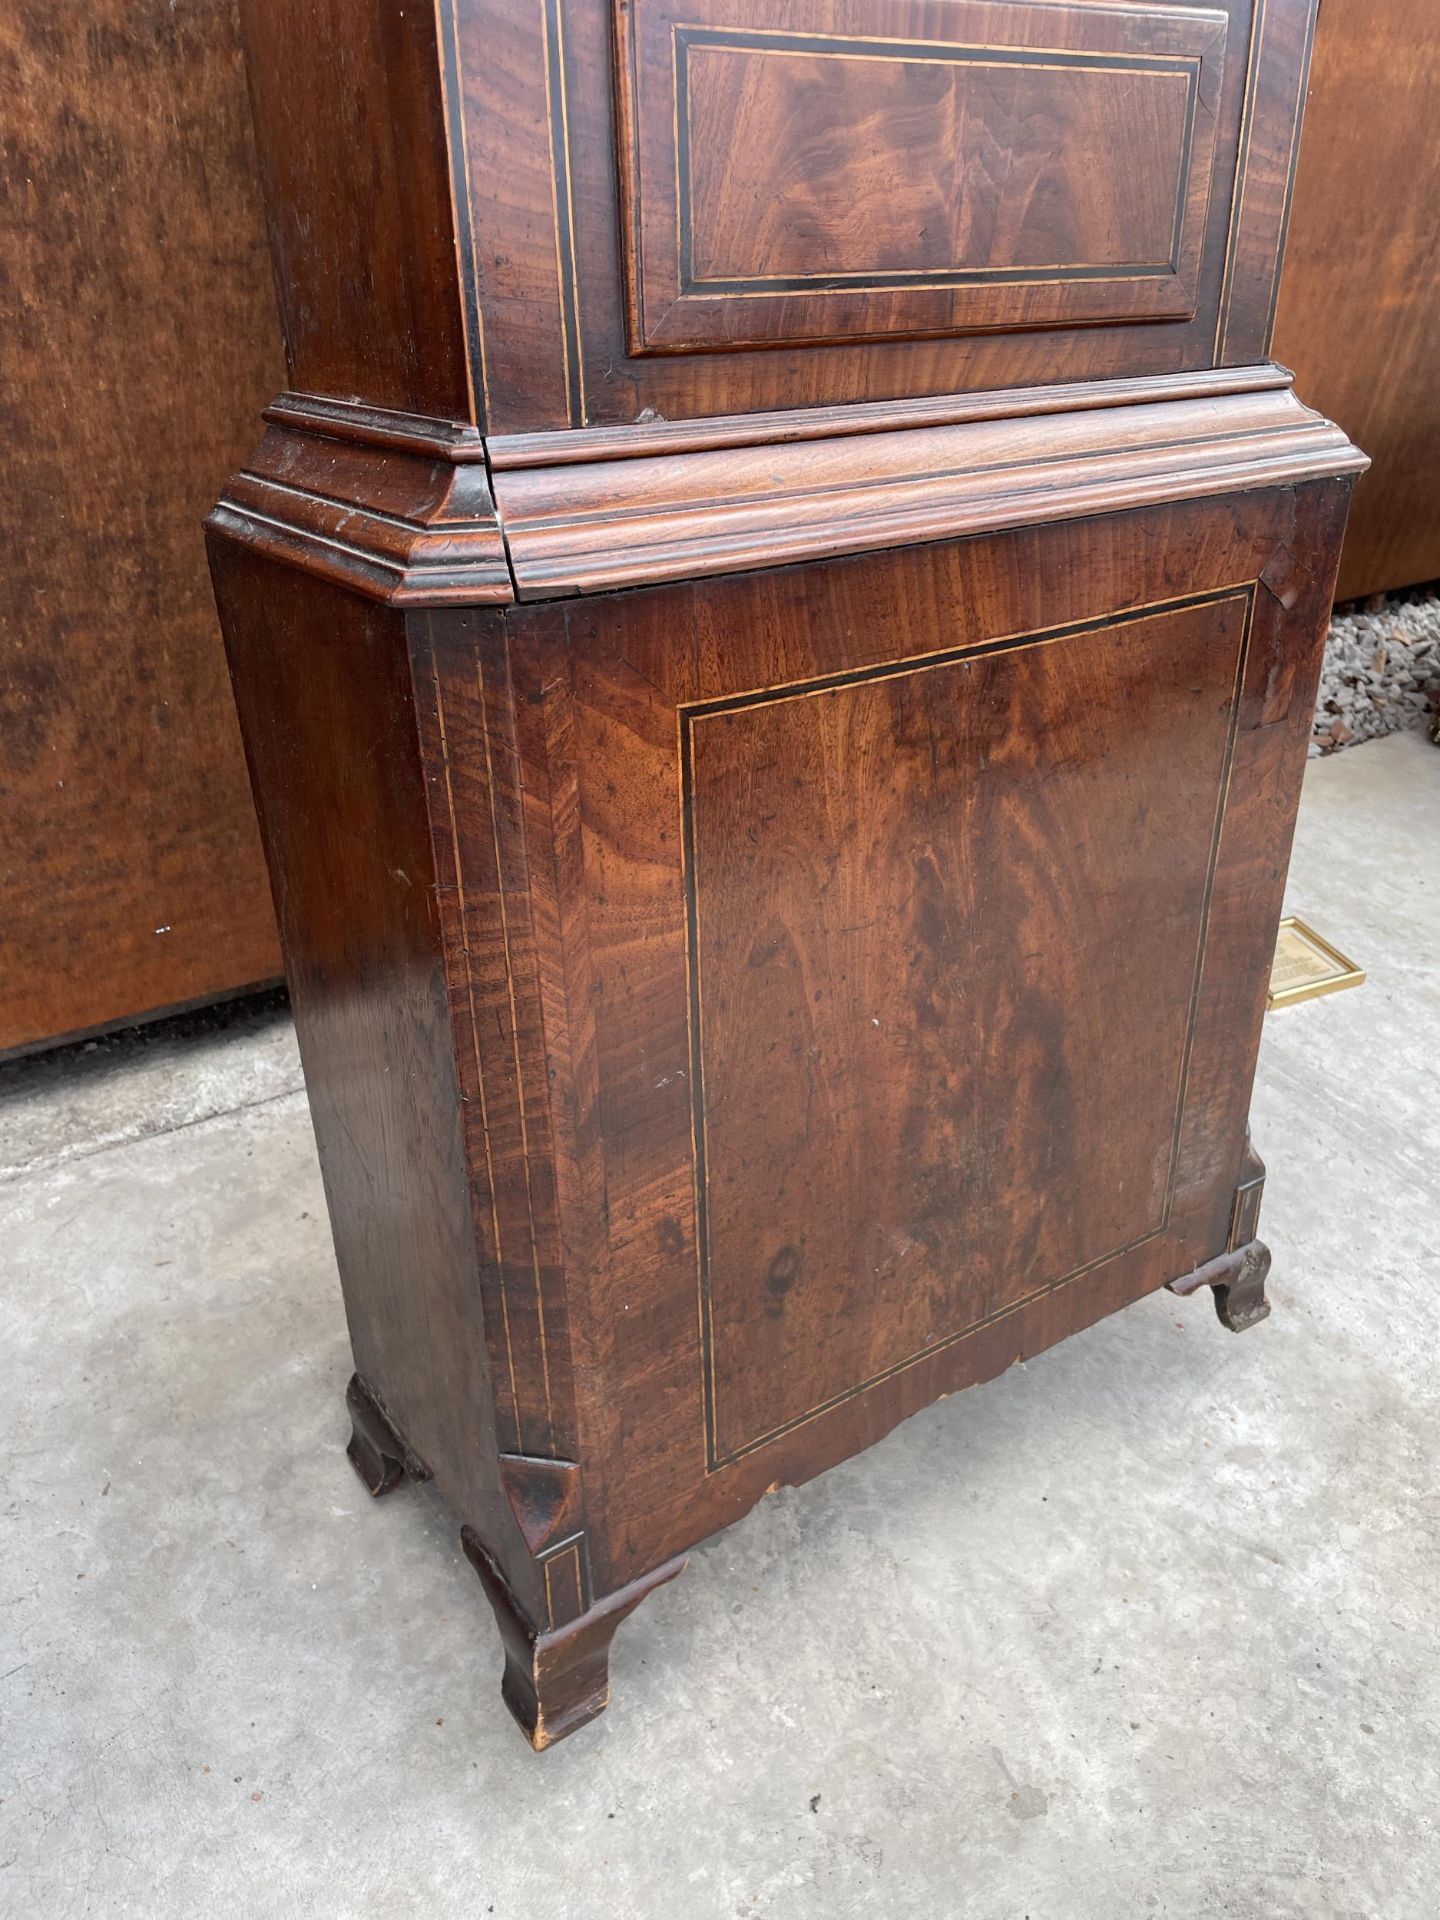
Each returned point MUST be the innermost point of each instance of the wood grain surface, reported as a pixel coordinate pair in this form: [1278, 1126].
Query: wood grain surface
[746, 507]
[904, 886]
[357, 498]
[1359, 314]
[323, 686]
[1062, 853]
[518, 215]
[1035, 166]
[353, 162]
[137, 342]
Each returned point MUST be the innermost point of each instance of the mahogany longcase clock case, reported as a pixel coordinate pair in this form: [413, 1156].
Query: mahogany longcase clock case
[775, 632]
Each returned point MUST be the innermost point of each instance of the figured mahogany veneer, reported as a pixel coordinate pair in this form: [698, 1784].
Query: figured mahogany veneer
[778, 852]
[562, 181]
[425, 531]
[944, 1065]
[790, 180]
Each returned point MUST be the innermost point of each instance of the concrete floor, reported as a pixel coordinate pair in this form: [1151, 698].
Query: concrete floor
[1150, 1626]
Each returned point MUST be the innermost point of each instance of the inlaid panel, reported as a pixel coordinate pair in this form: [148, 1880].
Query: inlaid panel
[966, 196]
[833, 172]
[939, 913]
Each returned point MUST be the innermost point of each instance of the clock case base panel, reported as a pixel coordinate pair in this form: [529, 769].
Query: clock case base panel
[531, 985]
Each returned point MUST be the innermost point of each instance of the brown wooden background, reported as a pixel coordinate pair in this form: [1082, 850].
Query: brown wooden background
[1359, 316]
[138, 342]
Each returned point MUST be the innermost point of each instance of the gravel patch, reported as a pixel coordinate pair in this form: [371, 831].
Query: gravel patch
[1382, 669]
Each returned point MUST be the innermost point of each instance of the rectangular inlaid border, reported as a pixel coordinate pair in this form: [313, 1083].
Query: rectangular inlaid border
[913, 52]
[453, 79]
[1277, 75]
[687, 717]
[462, 685]
[452, 102]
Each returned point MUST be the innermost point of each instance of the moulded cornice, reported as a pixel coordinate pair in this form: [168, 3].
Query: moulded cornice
[408, 511]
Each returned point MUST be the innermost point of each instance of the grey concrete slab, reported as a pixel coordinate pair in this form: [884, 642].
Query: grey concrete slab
[1149, 1626]
[80, 1099]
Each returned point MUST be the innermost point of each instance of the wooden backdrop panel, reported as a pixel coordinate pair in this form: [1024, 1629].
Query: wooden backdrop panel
[1359, 314]
[137, 344]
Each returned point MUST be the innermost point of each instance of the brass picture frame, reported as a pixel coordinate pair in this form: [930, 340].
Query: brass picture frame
[1306, 966]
